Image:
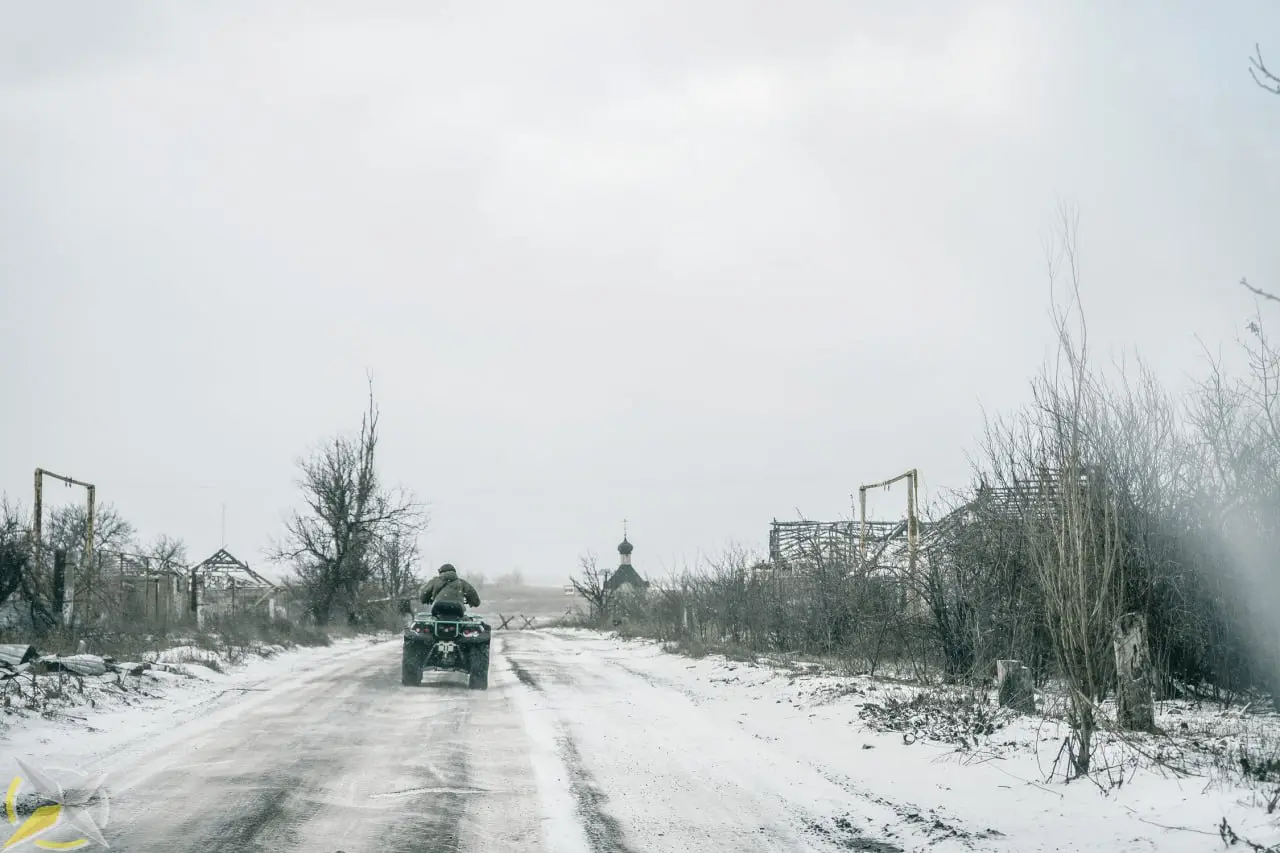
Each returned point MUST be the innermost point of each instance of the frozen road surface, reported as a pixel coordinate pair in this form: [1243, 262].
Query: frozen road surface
[584, 744]
[566, 751]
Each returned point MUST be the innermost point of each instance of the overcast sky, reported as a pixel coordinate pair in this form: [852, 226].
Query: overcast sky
[695, 264]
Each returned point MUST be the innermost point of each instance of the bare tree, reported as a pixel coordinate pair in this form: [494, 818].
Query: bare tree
[1074, 532]
[18, 571]
[332, 544]
[15, 552]
[168, 552]
[591, 586]
[67, 525]
[65, 529]
[396, 561]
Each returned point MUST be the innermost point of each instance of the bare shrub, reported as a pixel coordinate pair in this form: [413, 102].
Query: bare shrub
[963, 719]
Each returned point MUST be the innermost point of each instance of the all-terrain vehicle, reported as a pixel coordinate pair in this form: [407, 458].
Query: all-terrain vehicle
[448, 645]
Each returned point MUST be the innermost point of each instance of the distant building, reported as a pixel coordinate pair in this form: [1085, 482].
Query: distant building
[626, 575]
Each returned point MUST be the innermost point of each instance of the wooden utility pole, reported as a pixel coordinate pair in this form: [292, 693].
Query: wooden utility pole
[38, 522]
[913, 527]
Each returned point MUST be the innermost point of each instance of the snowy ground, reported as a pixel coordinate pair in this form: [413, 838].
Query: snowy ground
[587, 743]
[74, 721]
[993, 795]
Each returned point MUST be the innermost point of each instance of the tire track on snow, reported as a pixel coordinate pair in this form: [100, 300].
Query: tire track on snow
[605, 833]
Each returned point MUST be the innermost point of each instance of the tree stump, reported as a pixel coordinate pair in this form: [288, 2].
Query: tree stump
[1135, 708]
[1016, 688]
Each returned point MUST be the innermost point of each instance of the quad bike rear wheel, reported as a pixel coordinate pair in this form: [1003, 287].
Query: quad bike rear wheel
[410, 667]
[478, 675]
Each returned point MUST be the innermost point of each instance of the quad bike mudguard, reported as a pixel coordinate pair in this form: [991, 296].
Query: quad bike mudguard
[446, 645]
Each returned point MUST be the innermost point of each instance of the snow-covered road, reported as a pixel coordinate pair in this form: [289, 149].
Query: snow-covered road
[649, 768]
[567, 751]
[582, 744]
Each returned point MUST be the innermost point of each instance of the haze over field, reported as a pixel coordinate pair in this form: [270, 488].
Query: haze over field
[696, 266]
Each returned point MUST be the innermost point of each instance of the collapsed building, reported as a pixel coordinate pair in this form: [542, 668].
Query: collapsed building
[146, 592]
[897, 554]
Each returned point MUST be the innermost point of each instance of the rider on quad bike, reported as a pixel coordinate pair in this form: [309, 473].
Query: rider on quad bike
[446, 639]
[449, 594]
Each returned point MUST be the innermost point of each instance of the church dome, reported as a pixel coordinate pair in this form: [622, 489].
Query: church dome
[626, 547]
